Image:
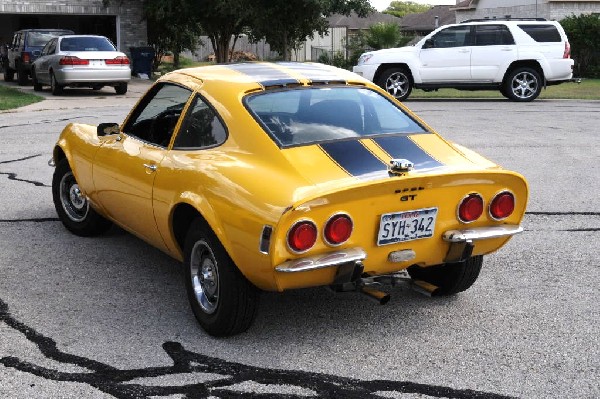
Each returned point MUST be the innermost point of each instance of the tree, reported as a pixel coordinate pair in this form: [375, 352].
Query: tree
[286, 23]
[171, 27]
[383, 35]
[402, 8]
[583, 32]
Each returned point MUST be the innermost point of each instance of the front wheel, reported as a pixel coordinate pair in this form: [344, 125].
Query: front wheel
[9, 73]
[397, 82]
[222, 299]
[450, 278]
[72, 206]
[523, 84]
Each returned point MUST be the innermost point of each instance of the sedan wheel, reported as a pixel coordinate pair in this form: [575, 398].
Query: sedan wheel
[55, 87]
[523, 84]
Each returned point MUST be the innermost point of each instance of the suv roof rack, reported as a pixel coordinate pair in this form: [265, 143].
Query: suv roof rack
[505, 18]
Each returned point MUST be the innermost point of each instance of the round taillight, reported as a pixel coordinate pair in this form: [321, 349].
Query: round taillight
[470, 208]
[302, 236]
[338, 229]
[502, 206]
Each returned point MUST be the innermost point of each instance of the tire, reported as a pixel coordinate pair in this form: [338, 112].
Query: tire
[22, 76]
[222, 299]
[9, 74]
[121, 88]
[73, 209]
[397, 82]
[55, 87]
[523, 84]
[451, 278]
[37, 86]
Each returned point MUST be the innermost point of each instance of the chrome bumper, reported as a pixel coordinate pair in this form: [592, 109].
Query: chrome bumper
[461, 241]
[321, 261]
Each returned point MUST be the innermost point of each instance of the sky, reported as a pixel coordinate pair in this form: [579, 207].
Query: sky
[381, 5]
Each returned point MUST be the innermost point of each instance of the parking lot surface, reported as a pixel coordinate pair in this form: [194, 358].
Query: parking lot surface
[108, 317]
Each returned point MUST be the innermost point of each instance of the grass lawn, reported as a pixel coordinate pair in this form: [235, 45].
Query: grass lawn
[588, 89]
[12, 98]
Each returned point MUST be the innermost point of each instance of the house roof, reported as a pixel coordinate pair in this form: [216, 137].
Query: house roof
[353, 21]
[425, 21]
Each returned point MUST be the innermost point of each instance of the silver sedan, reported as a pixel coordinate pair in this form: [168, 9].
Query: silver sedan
[81, 61]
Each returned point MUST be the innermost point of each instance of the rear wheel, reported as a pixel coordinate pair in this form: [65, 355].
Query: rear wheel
[523, 84]
[37, 86]
[397, 82]
[72, 206]
[55, 87]
[121, 88]
[222, 299]
[22, 75]
[451, 278]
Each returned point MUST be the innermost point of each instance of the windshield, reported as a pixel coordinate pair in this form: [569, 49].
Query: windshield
[86, 44]
[306, 116]
[39, 39]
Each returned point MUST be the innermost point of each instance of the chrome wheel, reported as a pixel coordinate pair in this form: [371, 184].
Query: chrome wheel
[525, 85]
[204, 274]
[72, 199]
[397, 84]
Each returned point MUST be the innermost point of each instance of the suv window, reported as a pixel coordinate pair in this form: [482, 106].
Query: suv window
[38, 39]
[454, 36]
[492, 35]
[542, 33]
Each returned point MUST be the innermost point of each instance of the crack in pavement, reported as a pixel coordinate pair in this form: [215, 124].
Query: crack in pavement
[37, 220]
[563, 213]
[42, 122]
[13, 176]
[115, 382]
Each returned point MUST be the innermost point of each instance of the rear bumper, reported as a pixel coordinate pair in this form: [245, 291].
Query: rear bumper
[74, 76]
[322, 261]
[461, 241]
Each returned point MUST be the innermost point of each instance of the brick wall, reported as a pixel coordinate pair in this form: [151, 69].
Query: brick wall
[555, 10]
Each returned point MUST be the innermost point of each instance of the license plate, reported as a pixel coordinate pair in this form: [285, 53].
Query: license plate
[97, 62]
[406, 226]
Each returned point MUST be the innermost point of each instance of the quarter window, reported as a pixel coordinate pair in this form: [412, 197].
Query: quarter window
[200, 128]
[542, 33]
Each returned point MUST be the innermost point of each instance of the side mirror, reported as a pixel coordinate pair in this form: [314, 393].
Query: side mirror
[105, 129]
[428, 43]
[36, 53]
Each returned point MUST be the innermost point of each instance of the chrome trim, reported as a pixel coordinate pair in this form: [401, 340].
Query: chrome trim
[287, 236]
[481, 233]
[494, 197]
[264, 242]
[321, 261]
[150, 166]
[461, 201]
[325, 226]
[399, 166]
[51, 162]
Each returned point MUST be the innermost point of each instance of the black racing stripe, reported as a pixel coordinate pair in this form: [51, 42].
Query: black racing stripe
[264, 74]
[353, 157]
[404, 148]
[313, 72]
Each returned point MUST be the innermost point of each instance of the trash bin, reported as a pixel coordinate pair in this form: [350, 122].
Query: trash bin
[141, 59]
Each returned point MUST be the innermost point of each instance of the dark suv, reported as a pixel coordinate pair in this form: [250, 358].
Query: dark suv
[25, 47]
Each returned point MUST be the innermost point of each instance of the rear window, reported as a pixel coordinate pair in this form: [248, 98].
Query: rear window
[86, 44]
[39, 39]
[305, 116]
[542, 33]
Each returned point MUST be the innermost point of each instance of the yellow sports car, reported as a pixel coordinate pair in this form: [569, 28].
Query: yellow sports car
[277, 176]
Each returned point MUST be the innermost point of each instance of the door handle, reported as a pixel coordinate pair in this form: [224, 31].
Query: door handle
[151, 167]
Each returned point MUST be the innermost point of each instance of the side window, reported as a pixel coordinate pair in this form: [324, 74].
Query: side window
[492, 35]
[454, 36]
[155, 118]
[200, 128]
[542, 33]
[49, 47]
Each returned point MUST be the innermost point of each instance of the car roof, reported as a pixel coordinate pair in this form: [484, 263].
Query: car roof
[268, 75]
[46, 30]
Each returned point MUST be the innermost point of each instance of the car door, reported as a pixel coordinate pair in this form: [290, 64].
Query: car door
[446, 56]
[42, 64]
[493, 50]
[126, 165]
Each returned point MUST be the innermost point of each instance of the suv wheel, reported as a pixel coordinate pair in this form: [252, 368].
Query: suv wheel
[9, 73]
[523, 84]
[397, 82]
[22, 75]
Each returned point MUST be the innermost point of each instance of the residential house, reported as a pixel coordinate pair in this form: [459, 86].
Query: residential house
[548, 9]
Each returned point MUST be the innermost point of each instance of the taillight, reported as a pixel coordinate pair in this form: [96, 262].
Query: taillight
[25, 57]
[338, 229]
[470, 208]
[72, 60]
[120, 60]
[302, 236]
[567, 53]
[502, 206]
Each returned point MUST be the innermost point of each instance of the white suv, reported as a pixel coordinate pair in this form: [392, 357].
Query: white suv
[516, 56]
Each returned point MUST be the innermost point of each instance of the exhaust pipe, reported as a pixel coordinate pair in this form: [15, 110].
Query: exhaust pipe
[378, 296]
